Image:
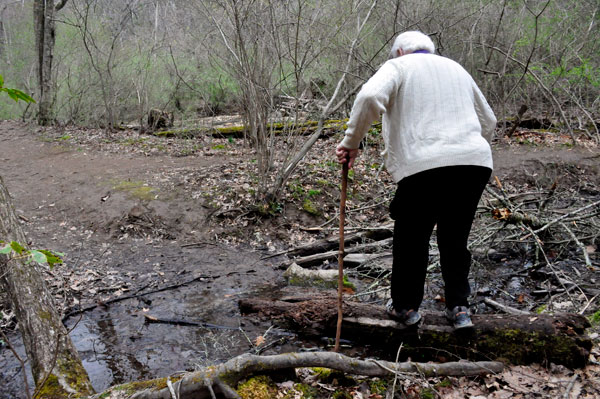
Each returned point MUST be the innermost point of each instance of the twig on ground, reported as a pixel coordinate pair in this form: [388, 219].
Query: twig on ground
[570, 386]
[504, 308]
[125, 297]
[588, 304]
[396, 374]
[586, 257]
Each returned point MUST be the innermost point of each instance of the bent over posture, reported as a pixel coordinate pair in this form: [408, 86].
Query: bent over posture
[436, 125]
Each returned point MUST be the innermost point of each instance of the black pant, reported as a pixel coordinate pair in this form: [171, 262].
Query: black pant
[447, 197]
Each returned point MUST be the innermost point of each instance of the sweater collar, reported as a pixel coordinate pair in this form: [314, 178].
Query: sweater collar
[421, 52]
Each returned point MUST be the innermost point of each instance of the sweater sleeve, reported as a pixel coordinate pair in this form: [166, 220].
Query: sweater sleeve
[370, 103]
[486, 116]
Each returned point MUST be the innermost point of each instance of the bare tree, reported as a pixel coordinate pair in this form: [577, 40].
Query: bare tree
[271, 50]
[43, 15]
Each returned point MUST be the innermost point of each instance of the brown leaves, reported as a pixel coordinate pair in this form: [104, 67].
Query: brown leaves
[501, 214]
[260, 340]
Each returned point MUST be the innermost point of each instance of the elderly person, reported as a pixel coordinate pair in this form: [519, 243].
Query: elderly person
[436, 127]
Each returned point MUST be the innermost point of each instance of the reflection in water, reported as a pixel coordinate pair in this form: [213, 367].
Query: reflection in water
[117, 346]
[106, 355]
[121, 363]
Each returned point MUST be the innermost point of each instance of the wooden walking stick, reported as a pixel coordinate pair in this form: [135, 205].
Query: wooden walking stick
[338, 331]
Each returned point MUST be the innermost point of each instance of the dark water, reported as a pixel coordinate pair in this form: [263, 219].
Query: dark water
[117, 344]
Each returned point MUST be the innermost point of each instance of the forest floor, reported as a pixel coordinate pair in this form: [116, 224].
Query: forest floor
[170, 218]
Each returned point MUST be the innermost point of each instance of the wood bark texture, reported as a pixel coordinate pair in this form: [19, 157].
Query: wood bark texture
[518, 339]
[56, 366]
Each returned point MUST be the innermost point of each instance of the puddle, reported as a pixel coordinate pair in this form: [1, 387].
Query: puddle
[117, 344]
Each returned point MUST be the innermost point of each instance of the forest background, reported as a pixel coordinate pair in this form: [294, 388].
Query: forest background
[115, 60]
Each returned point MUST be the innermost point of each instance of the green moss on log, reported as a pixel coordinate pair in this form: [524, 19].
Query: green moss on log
[306, 126]
[74, 376]
[137, 386]
[51, 389]
[259, 387]
[520, 347]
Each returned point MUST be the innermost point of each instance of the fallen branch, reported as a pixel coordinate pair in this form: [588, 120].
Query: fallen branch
[318, 258]
[152, 319]
[330, 243]
[579, 244]
[504, 308]
[223, 377]
[299, 276]
[563, 217]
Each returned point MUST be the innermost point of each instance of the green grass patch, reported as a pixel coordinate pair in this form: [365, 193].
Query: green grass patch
[310, 207]
[136, 189]
[594, 318]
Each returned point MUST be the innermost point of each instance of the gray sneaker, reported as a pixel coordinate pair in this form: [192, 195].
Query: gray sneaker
[408, 317]
[459, 317]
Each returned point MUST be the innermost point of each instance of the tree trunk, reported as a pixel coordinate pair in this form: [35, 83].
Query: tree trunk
[520, 339]
[43, 22]
[2, 37]
[56, 366]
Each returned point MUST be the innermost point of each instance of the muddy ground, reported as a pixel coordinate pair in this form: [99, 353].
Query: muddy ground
[138, 213]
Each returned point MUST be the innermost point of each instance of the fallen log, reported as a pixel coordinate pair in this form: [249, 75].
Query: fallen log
[355, 255]
[240, 131]
[384, 258]
[331, 243]
[518, 339]
[299, 276]
[221, 379]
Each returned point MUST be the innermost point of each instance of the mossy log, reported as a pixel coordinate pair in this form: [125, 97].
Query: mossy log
[56, 367]
[220, 380]
[518, 339]
[239, 131]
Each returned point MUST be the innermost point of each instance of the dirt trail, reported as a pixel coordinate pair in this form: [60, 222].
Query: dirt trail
[54, 179]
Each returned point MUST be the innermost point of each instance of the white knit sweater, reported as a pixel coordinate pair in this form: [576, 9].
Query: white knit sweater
[434, 115]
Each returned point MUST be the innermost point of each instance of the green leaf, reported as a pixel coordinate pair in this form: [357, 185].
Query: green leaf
[6, 249]
[12, 94]
[16, 94]
[38, 256]
[18, 248]
[1, 81]
[24, 96]
[52, 258]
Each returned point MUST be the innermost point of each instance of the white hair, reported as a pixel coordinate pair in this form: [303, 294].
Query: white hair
[412, 41]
